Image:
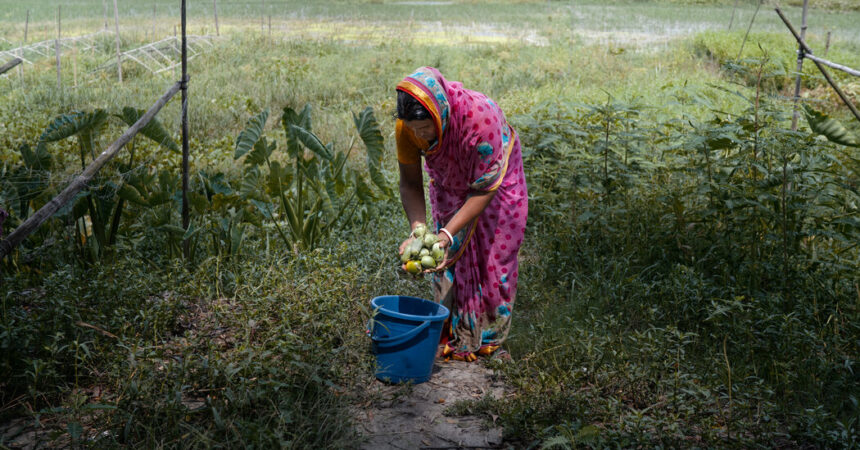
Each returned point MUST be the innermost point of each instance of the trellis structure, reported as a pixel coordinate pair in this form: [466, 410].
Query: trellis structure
[164, 55]
[37, 50]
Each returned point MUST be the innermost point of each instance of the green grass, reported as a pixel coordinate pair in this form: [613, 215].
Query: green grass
[658, 306]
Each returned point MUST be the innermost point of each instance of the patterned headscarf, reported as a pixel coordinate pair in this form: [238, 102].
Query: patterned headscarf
[428, 87]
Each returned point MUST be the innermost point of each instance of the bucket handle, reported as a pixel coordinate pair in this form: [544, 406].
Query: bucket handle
[405, 336]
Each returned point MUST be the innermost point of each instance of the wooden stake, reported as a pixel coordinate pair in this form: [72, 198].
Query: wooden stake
[118, 55]
[827, 44]
[81, 181]
[796, 114]
[104, 10]
[57, 50]
[215, 11]
[21, 50]
[732, 20]
[186, 216]
[820, 66]
[9, 65]
[748, 29]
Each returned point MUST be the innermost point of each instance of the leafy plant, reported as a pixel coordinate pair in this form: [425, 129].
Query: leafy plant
[318, 191]
[103, 203]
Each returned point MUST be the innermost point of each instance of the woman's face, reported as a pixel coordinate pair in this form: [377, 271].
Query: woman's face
[424, 129]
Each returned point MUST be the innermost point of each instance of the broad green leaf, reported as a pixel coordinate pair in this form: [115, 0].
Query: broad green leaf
[262, 151]
[279, 178]
[68, 125]
[251, 134]
[39, 159]
[290, 118]
[198, 201]
[312, 142]
[830, 128]
[128, 193]
[265, 208]
[152, 130]
[368, 129]
[250, 187]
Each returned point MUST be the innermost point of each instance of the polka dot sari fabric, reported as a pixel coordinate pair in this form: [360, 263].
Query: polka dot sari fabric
[477, 152]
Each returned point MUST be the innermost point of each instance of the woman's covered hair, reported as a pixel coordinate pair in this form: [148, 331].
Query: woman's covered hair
[408, 108]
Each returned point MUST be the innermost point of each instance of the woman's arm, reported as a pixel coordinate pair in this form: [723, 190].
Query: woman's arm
[473, 207]
[412, 193]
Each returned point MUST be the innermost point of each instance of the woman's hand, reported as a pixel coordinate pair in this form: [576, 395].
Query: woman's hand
[445, 245]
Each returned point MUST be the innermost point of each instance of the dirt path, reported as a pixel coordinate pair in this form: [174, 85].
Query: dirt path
[413, 417]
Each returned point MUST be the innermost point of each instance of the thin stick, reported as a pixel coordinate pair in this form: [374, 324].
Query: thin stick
[81, 181]
[732, 20]
[21, 50]
[263, 18]
[104, 10]
[75, 66]
[57, 51]
[186, 218]
[270, 26]
[9, 65]
[796, 112]
[153, 22]
[832, 64]
[827, 44]
[748, 29]
[215, 10]
[820, 66]
[118, 54]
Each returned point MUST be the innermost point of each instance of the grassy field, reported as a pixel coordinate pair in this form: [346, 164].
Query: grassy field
[689, 277]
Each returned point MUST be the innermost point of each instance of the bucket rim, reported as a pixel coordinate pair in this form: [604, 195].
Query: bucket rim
[442, 314]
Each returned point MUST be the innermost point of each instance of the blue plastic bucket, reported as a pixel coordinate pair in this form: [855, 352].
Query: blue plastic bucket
[405, 333]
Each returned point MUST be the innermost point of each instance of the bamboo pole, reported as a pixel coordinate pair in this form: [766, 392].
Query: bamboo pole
[748, 29]
[215, 11]
[9, 65]
[186, 218]
[732, 20]
[57, 50]
[827, 44]
[820, 66]
[26, 27]
[118, 55]
[81, 181]
[832, 64]
[796, 113]
[104, 13]
[21, 49]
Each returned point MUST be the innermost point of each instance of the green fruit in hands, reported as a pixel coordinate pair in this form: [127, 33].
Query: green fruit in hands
[419, 231]
[406, 256]
[413, 267]
[428, 262]
[424, 252]
[437, 252]
[415, 246]
[430, 239]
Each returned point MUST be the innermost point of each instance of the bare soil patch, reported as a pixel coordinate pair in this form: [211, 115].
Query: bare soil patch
[414, 416]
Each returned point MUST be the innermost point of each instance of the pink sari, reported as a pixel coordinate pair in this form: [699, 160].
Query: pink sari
[476, 151]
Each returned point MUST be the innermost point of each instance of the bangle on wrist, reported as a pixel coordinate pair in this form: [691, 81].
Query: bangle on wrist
[448, 233]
